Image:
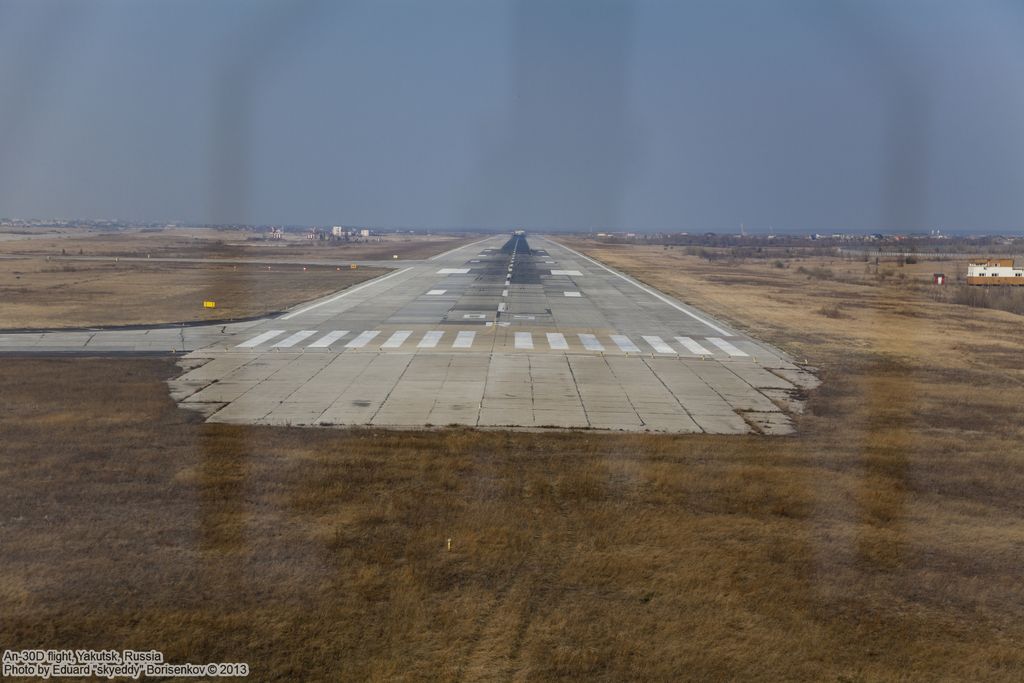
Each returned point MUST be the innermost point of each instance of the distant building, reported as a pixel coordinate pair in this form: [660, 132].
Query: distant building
[994, 271]
[365, 232]
[338, 231]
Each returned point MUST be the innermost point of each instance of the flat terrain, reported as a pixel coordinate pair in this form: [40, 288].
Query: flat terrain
[831, 310]
[79, 278]
[881, 542]
[222, 243]
[494, 333]
[36, 293]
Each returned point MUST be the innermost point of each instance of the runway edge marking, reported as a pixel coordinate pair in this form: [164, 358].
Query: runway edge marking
[650, 291]
[352, 290]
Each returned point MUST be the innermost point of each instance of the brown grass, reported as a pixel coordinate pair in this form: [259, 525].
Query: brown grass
[223, 243]
[882, 542]
[36, 293]
[54, 280]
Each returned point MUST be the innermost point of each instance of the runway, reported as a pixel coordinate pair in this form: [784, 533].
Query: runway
[519, 332]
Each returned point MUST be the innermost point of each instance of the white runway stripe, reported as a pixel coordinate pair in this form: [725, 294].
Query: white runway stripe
[658, 344]
[463, 340]
[328, 339]
[624, 343]
[294, 339]
[557, 341]
[572, 294]
[430, 339]
[590, 342]
[259, 339]
[396, 340]
[524, 340]
[502, 307]
[726, 346]
[362, 340]
[692, 346]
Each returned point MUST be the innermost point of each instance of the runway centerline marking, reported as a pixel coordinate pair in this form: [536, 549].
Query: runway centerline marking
[453, 271]
[436, 292]
[576, 294]
[566, 272]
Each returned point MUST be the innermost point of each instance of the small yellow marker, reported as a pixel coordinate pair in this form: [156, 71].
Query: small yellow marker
[449, 545]
[353, 266]
[209, 304]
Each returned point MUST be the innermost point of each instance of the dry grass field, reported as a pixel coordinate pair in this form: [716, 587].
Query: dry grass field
[36, 293]
[883, 542]
[222, 243]
[54, 280]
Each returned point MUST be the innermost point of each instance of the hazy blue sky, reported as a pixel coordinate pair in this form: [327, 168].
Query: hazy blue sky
[797, 114]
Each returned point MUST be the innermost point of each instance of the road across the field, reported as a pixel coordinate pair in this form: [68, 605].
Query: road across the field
[504, 332]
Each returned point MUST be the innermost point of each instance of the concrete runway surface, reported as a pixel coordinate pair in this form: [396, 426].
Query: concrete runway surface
[518, 332]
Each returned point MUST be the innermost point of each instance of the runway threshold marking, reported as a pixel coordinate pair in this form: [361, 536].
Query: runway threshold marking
[362, 340]
[294, 339]
[260, 338]
[650, 291]
[692, 346]
[557, 341]
[430, 339]
[658, 344]
[727, 347]
[524, 340]
[590, 342]
[576, 294]
[328, 339]
[396, 340]
[463, 340]
[624, 343]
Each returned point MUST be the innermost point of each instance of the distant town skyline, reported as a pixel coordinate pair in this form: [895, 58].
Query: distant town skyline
[601, 114]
